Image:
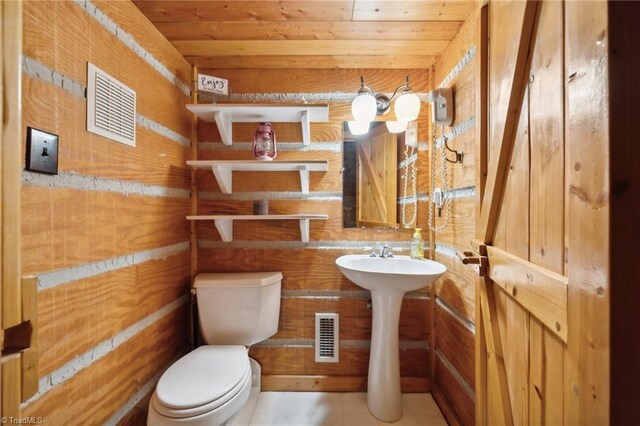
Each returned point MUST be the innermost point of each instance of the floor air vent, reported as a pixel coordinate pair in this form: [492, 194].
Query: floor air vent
[111, 107]
[327, 331]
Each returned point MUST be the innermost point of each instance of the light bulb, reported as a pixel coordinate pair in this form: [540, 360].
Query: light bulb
[407, 107]
[363, 107]
[396, 126]
[358, 127]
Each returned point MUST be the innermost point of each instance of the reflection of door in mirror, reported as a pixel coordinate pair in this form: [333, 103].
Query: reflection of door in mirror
[377, 156]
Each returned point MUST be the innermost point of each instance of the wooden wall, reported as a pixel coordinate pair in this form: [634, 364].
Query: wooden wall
[107, 236]
[546, 363]
[312, 283]
[454, 319]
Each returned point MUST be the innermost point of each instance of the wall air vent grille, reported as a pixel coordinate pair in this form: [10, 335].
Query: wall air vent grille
[111, 107]
[327, 344]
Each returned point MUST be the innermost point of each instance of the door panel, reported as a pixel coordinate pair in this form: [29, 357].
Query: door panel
[540, 203]
[377, 162]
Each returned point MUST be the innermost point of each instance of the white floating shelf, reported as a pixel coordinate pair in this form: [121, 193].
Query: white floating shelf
[222, 170]
[224, 115]
[224, 223]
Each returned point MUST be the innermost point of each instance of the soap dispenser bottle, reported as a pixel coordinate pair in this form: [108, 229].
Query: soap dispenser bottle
[417, 245]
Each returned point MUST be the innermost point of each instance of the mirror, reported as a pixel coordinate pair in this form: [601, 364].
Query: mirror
[371, 178]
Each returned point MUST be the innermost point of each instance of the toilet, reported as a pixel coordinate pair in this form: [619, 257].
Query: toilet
[210, 385]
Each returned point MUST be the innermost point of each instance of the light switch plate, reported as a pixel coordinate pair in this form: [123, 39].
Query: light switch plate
[42, 151]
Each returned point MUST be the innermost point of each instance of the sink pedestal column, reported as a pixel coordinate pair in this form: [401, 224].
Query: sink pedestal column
[384, 397]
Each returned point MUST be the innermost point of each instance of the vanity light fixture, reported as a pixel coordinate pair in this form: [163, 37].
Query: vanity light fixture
[367, 104]
[358, 128]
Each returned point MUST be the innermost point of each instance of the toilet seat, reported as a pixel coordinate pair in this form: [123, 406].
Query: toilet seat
[202, 381]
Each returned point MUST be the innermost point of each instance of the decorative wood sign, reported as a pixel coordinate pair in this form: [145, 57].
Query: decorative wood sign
[211, 84]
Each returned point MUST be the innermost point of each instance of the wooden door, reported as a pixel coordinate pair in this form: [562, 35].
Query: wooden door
[377, 177]
[19, 364]
[542, 242]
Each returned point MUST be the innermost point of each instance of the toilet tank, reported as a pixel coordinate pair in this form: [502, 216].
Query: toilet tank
[238, 308]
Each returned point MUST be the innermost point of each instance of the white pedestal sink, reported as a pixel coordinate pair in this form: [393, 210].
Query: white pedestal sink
[388, 279]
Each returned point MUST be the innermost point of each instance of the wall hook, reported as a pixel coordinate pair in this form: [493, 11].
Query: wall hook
[459, 155]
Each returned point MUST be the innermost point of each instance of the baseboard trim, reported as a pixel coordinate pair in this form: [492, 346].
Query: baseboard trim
[284, 383]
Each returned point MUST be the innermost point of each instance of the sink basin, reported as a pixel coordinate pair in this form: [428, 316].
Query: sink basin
[388, 279]
[396, 274]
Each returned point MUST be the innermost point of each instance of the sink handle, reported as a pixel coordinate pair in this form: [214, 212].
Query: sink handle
[375, 249]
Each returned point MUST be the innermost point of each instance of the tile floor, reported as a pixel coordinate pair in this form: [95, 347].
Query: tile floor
[340, 409]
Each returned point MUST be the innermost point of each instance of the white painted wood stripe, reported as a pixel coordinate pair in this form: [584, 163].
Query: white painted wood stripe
[158, 128]
[79, 363]
[364, 246]
[337, 97]
[139, 395]
[107, 23]
[456, 375]
[422, 197]
[456, 131]
[344, 343]
[75, 273]
[343, 294]
[457, 69]
[404, 163]
[282, 146]
[462, 192]
[456, 314]
[446, 250]
[268, 195]
[72, 180]
[38, 70]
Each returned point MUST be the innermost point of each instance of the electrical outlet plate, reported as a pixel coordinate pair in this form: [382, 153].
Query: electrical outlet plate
[42, 151]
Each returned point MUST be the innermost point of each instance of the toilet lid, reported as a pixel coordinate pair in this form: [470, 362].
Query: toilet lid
[202, 376]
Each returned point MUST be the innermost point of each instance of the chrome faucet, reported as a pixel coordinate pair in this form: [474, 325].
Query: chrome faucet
[385, 251]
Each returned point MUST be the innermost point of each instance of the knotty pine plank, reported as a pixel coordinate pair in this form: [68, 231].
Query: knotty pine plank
[329, 181]
[296, 10]
[380, 10]
[587, 359]
[462, 224]
[297, 318]
[77, 316]
[300, 360]
[546, 364]
[317, 383]
[68, 227]
[156, 160]
[157, 98]
[222, 48]
[457, 49]
[113, 379]
[546, 112]
[320, 80]
[303, 269]
[285, 132]
[512, 229]
[308, 30]
[513, 322]
[457, 286]
[455, 341]
[505, 24]
[315, 62]
[131, 20]
[457, 397]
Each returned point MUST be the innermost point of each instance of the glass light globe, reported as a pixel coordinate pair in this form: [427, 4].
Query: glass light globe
[363, 108]
[358, 127]
[407, 107]
[396, 126]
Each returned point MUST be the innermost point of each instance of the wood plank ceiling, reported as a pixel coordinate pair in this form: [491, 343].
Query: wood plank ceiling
[309, 33]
